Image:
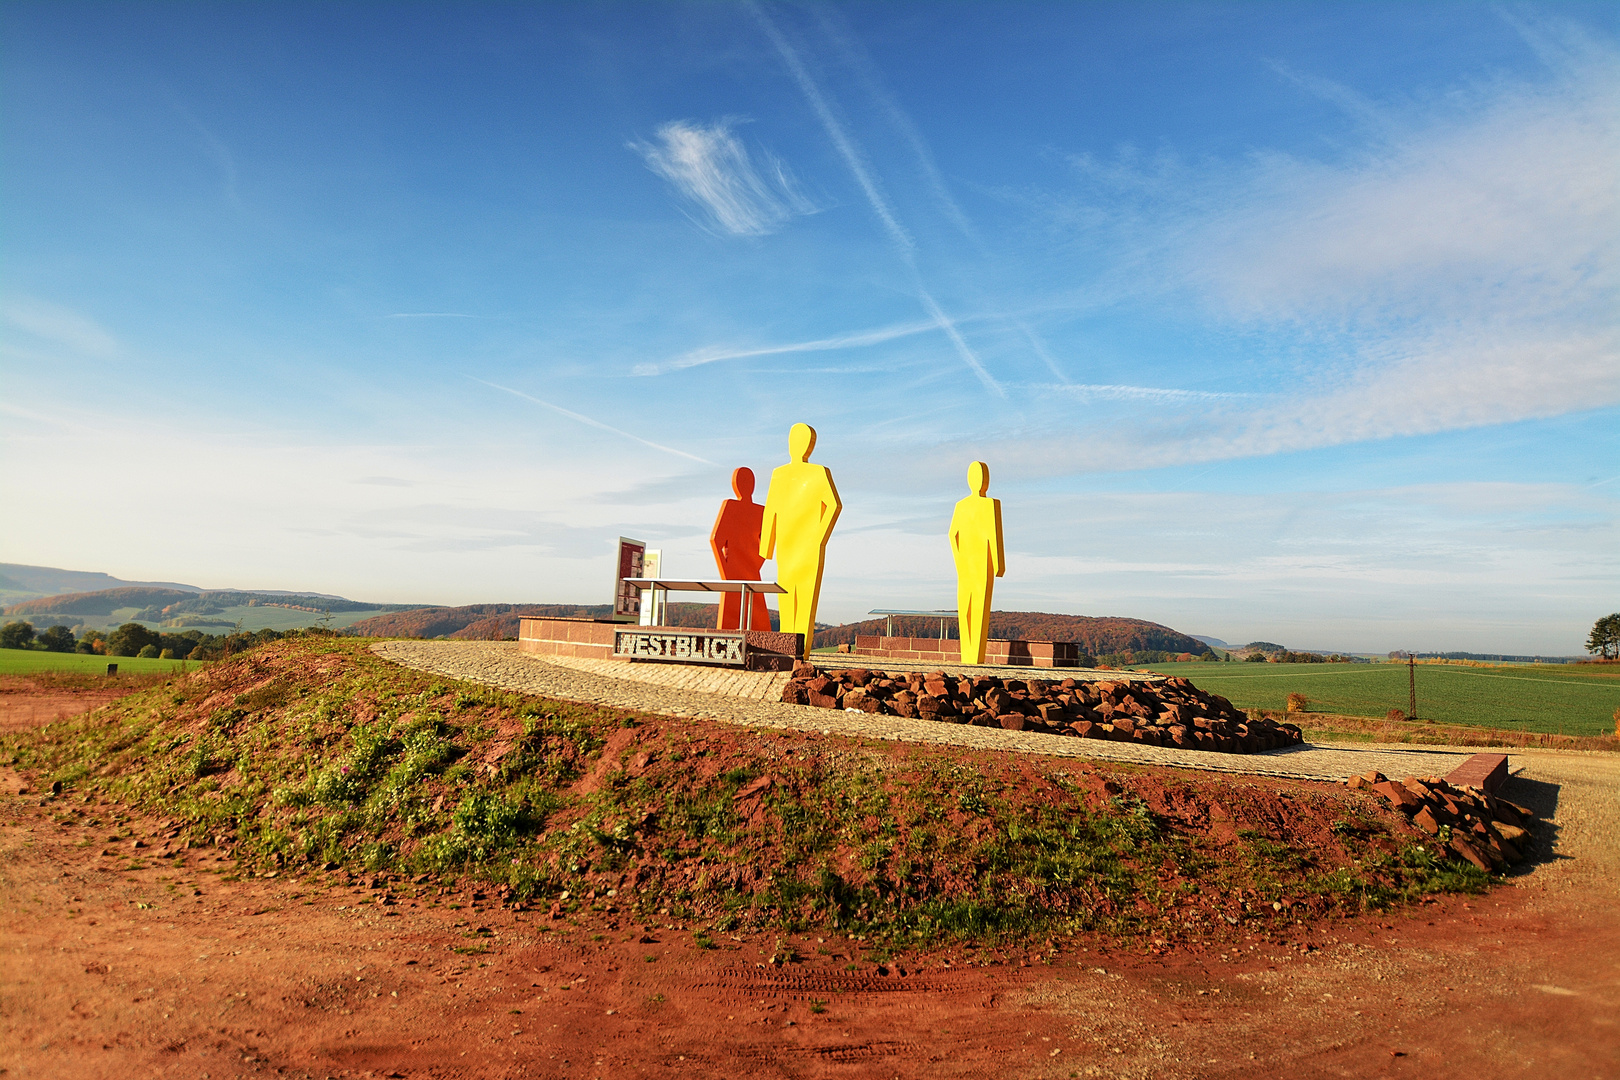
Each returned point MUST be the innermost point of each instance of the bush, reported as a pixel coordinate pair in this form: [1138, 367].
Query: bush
[1395, 716]
[1256, 658]
[1298, 702]
[16, 635]
[166, 654]
[148, 652]
[57, 639]
[130, 639]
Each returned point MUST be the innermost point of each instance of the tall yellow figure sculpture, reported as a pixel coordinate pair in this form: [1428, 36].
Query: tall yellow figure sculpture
[981, 557]
[801, 507]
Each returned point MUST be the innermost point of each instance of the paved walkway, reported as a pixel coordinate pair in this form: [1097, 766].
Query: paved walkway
[673, 690]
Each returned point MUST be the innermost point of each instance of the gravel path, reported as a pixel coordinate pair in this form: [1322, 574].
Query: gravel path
[644, 687]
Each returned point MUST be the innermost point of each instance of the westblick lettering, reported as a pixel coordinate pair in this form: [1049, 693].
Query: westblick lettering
[655, 645]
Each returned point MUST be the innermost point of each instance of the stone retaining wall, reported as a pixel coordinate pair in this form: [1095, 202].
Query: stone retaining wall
[999, 652]
[592, 639]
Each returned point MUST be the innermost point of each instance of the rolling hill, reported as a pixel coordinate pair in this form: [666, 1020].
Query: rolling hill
[498, 622]
[174, 609]
[19, 581]
[1096, 636]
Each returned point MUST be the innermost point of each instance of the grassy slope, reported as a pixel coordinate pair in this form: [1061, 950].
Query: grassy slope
[28, 661]
[1560, 699]
[313, 751]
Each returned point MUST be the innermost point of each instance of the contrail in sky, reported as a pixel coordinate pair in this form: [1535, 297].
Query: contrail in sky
[845, 341]
[572, 415]
[857, 59]
[874, 196]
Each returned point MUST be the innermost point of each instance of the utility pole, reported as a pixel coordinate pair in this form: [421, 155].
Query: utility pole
[1411, 687]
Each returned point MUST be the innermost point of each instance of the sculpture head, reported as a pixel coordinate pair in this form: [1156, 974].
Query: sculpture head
[801, 440]
[978, 478]
[742, 483]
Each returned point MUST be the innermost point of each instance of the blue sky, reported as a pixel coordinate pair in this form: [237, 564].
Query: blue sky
[1294, 322]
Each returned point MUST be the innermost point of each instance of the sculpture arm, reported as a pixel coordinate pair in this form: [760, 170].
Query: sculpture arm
[767, 529]
[717, 545]
[1001, 545]
[830, 499]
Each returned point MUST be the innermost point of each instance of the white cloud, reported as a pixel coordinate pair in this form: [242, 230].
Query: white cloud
[61, 326]
[709, 165]
[1459, 267]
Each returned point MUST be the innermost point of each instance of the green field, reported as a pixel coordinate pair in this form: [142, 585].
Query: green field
[254, 617]
[28, 661]
[1560, 699]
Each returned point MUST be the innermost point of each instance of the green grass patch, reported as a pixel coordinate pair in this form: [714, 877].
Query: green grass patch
[1544, 698]
[31, 661]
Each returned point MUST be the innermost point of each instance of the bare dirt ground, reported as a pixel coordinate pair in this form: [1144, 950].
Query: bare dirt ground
[120, 960]
[27, 703]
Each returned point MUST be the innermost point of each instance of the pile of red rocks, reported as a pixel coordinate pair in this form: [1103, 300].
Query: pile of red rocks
[1474, 824]
[1168, 712]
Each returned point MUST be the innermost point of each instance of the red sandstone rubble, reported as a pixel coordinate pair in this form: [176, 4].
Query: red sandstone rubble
[1171, 712]
[1472, 823]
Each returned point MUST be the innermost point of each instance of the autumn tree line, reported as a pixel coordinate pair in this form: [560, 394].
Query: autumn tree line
[133, 639]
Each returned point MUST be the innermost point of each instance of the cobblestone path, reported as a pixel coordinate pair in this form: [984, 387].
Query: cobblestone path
[750, 698]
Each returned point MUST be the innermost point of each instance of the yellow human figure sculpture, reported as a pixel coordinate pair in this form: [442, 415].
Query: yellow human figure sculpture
[981, 557]
[801, 507]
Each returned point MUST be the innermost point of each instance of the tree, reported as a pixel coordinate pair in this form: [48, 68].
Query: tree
[57, 639]
[1604, 640]
[16, 635]
[129, 639]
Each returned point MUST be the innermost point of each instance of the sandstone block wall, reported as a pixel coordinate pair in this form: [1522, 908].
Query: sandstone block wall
[948, 650]
[567, 637]
[592, 639]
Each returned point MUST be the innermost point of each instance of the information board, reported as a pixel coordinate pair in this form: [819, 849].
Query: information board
[627, 598]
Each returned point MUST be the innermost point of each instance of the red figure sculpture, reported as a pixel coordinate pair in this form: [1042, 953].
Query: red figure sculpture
[735, 541]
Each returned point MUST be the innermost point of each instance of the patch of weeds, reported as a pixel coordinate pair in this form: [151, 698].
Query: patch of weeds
[818, 1006]
[377, 855]
[199, 761]
[483, 824]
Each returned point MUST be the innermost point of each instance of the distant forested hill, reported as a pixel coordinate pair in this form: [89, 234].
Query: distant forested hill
[100, 602]
[153, 605]
[1096, 636]
[19, 581]
[498, 622]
